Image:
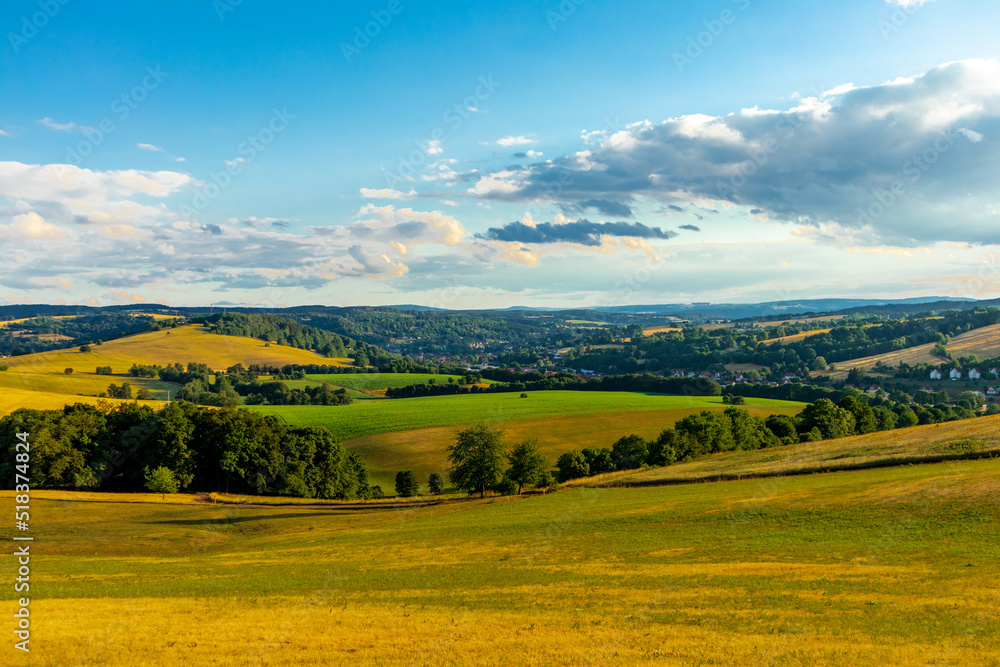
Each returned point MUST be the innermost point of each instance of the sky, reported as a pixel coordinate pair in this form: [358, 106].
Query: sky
[544, 153]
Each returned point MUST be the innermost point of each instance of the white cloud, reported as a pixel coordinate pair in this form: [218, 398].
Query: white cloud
[508, 142]
[908, 3]
[151, 147]
[3, 134]
[31, 227]
[388, 224]
[62, 127]
[831, 159]
[435, 147]
[387, 193]
[534, 154]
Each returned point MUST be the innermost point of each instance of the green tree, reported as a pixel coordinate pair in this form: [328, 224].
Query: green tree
[436, 483]
[161, 480]
[830, 420]
[68, 371]
[572, 465]
[407, 485]
[599, 460]
[476, 459]
[629, 452]
[527, 464]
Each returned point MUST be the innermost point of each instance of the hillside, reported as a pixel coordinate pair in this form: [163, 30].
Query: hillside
[415, 433]
[983, 342]
[880, 567]
[45, 372]
[931, 443]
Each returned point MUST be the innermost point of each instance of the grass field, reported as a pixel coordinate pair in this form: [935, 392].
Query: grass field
[951, 440]
[45, 372]
[13, 399]
[414, 433]
[881, 567]
[983, 342]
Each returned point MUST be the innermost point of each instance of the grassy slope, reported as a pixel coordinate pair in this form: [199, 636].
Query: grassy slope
[881, 567]
[13, 399]
[935, 441]
[44, 372]
[983, 342]
[414, 434]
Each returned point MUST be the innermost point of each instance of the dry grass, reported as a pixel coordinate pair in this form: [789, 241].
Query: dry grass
[887, 448]
[983, 342]
[884, 567]
[14, 399]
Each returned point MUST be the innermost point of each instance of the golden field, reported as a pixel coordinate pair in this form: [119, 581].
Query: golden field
[881, 567]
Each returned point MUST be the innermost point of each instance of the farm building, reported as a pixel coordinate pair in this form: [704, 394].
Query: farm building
[936, 374]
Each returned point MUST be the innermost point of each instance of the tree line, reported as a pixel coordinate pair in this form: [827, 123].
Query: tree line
[118, 448]
[710, 432]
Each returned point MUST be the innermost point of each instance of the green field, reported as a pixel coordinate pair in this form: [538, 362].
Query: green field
[387, 416]
[414, 433]
[374, 381]
[882, 567]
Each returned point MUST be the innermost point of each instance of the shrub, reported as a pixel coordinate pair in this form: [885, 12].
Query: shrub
[436, 483]
[104, 370]
[407, 485]
[506, 486]
[68, 371]
[85, 348]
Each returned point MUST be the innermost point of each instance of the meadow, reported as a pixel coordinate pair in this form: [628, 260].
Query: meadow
[414, 433]
[40, 379]
[963, 439]
[881, 567]
[366, 385]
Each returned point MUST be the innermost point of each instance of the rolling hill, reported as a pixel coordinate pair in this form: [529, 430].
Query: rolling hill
[983, 342]
[45, 372]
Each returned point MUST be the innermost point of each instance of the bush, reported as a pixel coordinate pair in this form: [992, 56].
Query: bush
[407, 485]
[506, 486]
[377, 492]
[524, 395]
[104, 370]
[85, 348]
[436, 483]
[571, 466]
[68, 371]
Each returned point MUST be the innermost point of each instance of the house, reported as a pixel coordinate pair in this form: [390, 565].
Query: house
[991, 391]
[926, 388]
[974, 374]
[936, 374]
[789, 376]
[995, 372]
[874, 389]
[955, 374]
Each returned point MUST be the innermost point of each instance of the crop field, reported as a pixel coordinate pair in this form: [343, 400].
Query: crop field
[374, 382]
[79, 383]
[934, 442]
[983, 342]
[880, 567]
[183, 344]
[13, 399]
[414, 433]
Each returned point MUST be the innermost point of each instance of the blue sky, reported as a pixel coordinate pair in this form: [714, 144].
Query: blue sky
[546, 153]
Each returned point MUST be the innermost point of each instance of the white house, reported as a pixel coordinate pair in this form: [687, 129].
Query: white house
[936, 374]
[996, 372]
[955, 374]
[991, 391]
[974, 374]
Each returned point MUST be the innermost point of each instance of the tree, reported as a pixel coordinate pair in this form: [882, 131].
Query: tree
[161, 480]
[830, 420]
[68, 371]
[599, 461]
[571, 466]
[970, 400]
[783, 427]
[629, 452]
[85, 348]
[436, 483]
[527, 464]
[476, 459]
[407, 485]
